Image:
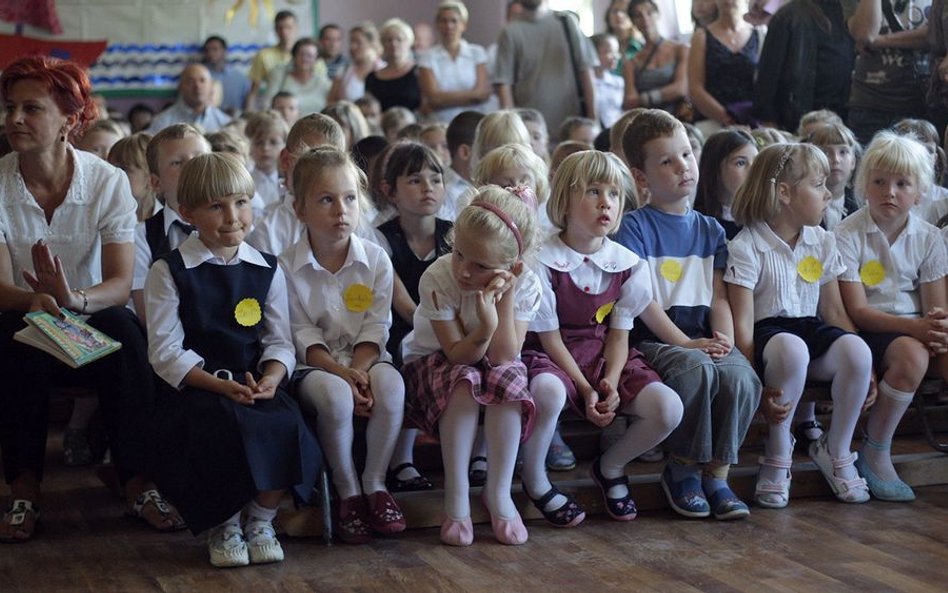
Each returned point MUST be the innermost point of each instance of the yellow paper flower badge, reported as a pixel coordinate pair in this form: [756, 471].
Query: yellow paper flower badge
[671, 270]
[604, 311]
[248, 312]
[358, 298]
[810, 269]
[872, 273]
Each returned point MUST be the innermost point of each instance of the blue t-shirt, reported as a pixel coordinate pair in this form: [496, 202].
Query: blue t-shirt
[683, 251]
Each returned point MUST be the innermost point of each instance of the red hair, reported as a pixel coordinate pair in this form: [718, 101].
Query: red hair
[66, 82]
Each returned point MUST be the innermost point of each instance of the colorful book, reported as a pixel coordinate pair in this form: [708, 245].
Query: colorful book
[70, 339]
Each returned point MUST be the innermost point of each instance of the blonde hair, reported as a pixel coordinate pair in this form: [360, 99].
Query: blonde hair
[315, 123]
[898, 154]
[315, 163]
[925, 132]
[477, 221]
[228, 140]
[397, 24]
[648, 125]
[513, 155]
[767, 136]
[349, 117]
[394, 119]
[210, 176]
[756, 200]
[577, 172]
[819, 116]
[105, 125]
[127, 153]
[454, 5]
[835, 134]
[265, 122]
[497, 129]
[172, 132]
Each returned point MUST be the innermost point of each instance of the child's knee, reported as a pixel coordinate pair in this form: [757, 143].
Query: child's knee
[907, 361]
[549, 394]
[787, 350]
[661, 405]
[327, 395]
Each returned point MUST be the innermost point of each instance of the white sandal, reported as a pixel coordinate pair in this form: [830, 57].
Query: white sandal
[772, 494]
[851, 491]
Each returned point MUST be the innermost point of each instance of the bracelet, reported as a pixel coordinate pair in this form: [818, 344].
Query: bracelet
[85, 299]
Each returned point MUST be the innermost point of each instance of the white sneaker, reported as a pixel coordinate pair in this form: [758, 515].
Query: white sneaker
[226, 546]
[262, 542]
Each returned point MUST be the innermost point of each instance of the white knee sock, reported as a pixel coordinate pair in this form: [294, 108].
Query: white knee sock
[502, 432]
[385, 422]
[883, 420]
[457, 427]
[549, 395]
[330, 397]
[655, 411]
[786, 360]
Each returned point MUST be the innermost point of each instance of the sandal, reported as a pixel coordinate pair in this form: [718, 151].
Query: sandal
[352, 525]
[802, 445]
[569, 514]
[168, 519]
[852, 491]
[19, 522]
[477, 477]
[773, 494]
[413, 484]
[620, 509]
[384, 514]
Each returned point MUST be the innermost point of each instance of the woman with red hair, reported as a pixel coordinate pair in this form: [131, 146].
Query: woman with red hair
[66, 242]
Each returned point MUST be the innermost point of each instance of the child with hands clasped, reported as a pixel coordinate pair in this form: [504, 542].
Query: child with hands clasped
[687, 331]
[464, 354]
[229, 440]
[894, 290]
[578, 349]
[340, 301]
[789, 318]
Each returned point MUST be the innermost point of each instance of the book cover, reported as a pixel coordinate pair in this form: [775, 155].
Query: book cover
[69, 339]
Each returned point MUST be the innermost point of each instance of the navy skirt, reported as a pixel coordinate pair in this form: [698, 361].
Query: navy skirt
[212, 455]
[818, 335]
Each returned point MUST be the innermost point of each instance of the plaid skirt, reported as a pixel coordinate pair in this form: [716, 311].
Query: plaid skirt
[430, 381]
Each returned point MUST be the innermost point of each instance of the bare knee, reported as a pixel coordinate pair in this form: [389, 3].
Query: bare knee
[906, 361]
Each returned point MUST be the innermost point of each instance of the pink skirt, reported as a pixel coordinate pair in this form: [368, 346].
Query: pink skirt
[430, 381]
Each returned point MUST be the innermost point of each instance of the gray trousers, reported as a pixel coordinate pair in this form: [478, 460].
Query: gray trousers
[719, 398]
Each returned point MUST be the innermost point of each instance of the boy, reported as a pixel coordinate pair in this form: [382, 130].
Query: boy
[287, 105]
[267, 131]
[281, 228]
[457, 177]
[689, 331]
[167, 152]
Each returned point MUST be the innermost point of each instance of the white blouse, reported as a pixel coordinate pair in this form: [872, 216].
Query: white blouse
[454, 74]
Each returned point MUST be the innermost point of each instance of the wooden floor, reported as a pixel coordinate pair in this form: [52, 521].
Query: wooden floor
[817, 544]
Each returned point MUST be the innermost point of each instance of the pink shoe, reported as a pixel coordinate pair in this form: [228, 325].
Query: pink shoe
[511, 532]
[457, 533]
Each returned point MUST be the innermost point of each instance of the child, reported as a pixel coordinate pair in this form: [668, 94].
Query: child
[350, 119]
[414, 239]
[166, 153]
[592, 290]
[496, 129]
[513, 166]
[580, 129]
[894, 290]
[267, 131]
[128, 154]
[286, 104]
[789, 318]
[393, 120]
[539, 135]
[434, 136]
[464, 351]
[457, 177]
[689, 331]
[933, 203]
[725, 161]
[281, 228]
[810, 120]
[100, 137]
[229, 440]
[563, 150]
[340, 300]
[372, 112]
[609, 87]
[842, 150]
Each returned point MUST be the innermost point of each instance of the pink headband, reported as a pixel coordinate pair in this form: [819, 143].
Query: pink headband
[507, 221]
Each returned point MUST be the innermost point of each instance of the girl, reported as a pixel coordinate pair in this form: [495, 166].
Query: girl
[592, 289]
[496, 129]
[230, 440]
[350, 119]
[781, 274]
[842, 150]
[340, 300]
[934, 202]
[894, 290]
[100, 137]
[725, 161]
[464, 353]
[516, 166]
[414, 239]
[539, 134]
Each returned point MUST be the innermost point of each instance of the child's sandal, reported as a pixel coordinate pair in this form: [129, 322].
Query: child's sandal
[384, 514]
[413, 484]
[19, 523]
[164, 519]
[353, 521]
[620, 509]
[851, 491]
[569, 514]
[773, 494]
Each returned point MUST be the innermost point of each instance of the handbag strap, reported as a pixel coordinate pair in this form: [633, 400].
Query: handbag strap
[648, 58]
[564, 18]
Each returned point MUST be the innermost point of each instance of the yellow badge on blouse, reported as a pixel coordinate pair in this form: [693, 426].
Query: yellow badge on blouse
[604, 311]
[670, 270]
[810, 269]
[358, 298]
[248, 312]
[872, 272]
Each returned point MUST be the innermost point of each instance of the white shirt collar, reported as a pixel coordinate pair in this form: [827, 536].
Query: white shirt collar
[194, 253]
[170, 215]
[302, 254]
[765, 239]
[611, 257]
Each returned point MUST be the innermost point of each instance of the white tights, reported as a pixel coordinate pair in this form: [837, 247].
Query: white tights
[458, 427]
[787, 364]
[549, 395]
[330, 397]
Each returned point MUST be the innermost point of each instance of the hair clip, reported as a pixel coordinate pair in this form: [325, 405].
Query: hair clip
[506, 219]
[526, 195]
[783, 162]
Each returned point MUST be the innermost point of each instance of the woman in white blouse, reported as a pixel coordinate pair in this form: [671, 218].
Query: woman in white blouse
[453, 73]
[67, 220]
[364, 52]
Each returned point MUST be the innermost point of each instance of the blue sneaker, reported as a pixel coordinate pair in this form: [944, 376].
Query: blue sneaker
[686, 497]
[726, 506]
[559, 457]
